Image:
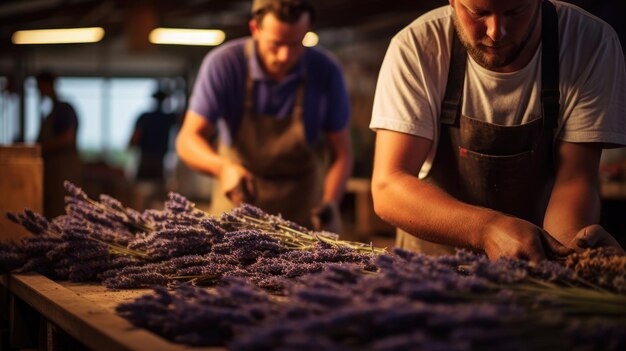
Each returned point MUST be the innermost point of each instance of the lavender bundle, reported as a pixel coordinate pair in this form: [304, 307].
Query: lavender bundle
[439, 304]
[105, 241]
[335, 294]
[600, 266]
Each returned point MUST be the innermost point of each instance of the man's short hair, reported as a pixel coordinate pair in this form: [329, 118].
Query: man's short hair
[288, 11]
[45, 77]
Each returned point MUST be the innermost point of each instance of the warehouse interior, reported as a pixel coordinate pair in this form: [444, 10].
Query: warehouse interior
[111, 82]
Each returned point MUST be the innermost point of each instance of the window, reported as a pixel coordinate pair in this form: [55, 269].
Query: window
[106, 108]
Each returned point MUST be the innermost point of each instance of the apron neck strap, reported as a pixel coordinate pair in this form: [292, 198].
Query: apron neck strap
[452, 101]
[451, 106]
[550, 94]
[248, 108]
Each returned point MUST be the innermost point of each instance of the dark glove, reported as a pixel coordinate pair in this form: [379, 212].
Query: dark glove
[326, 217]
[243, 192]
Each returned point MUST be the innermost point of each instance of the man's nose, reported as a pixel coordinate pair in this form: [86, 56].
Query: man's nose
[496, 29]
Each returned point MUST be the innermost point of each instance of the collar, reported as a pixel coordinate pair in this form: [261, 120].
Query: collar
[257, 72]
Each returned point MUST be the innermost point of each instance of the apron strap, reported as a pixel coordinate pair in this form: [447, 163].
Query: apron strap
[451, 105]
[549, 73]
[550, 94]
[248, 104]
[298, 103]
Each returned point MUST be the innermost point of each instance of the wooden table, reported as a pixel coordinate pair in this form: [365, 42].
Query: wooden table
[85, 312]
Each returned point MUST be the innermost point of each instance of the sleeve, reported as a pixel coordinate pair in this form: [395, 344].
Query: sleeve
[595, 103]
[209, 88]
[338, 115]
[409, 88]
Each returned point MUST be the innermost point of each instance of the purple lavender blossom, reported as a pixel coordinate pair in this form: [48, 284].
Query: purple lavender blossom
[75, 191]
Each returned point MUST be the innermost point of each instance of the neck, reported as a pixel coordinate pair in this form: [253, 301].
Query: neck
[277, 77]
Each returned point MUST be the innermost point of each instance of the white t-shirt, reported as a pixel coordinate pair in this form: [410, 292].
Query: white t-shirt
[413, 77]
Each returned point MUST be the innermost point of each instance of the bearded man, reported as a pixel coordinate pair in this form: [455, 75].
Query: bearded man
[491, 117]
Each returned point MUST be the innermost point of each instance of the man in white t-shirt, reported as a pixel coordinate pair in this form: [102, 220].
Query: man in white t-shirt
[506, 140]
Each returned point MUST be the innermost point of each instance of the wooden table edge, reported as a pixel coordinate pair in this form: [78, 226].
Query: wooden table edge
[91, 324]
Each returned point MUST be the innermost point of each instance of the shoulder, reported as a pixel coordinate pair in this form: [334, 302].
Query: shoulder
[579, 26]
[65, 109]
[321, 61]
[229, 55]
[425, 42]
[433, 27]
[421, 50]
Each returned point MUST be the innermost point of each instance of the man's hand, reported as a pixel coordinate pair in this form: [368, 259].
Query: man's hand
[237, 183]
[593, 236]
[326, 217]
[514, 237]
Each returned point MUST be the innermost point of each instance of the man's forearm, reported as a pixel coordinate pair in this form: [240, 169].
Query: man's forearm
[573, 205]
[430, 213]
[340, 169]
[336, 178]
[575, 199]
[196, 152]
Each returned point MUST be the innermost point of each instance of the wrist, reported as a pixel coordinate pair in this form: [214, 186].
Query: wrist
[223, 167]
[481, 238]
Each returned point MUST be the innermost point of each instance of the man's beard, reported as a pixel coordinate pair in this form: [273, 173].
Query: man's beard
[501, 60]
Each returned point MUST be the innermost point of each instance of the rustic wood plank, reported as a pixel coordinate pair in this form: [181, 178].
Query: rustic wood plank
[86, 312]
[21, 186]
[28, 151]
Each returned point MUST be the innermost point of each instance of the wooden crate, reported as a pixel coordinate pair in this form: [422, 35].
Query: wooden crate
[21, 186]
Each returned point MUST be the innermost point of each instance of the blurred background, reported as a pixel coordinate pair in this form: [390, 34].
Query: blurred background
[112, 81]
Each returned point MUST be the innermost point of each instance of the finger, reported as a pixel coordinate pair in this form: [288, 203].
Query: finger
[582, 243]
[236, 198]
[588, 238]
[605, 239]
[554, 249]
[250, 188]
[533, 256]
[235, 195]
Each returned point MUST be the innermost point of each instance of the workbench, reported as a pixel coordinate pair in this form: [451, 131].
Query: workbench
[45, 314]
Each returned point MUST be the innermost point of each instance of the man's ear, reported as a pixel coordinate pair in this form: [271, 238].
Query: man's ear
[254, 27]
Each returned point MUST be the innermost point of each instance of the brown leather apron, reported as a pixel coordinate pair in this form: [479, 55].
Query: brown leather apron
[506, 168]
[288, 173]
[57, 167]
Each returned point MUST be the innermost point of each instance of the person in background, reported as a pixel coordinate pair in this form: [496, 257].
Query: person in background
[151, 136]
[491, 117]
[57, 137]
[279, 107]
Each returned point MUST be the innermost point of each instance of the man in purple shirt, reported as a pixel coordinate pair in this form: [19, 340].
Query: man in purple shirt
[280, 109]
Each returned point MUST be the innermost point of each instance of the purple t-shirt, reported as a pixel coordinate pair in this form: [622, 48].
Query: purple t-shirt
[219, 90]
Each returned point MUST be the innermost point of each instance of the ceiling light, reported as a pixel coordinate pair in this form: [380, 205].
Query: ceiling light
[310, 39]
[180, 36]
[58, 36]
